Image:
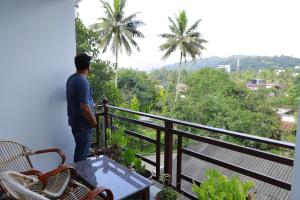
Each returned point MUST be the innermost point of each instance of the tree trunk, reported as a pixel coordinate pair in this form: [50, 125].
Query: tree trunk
[116, 69]
[178, 79]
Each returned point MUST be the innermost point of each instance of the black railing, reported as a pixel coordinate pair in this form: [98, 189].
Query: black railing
[167, 126]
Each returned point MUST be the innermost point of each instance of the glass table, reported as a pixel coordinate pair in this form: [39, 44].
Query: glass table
[124, 183]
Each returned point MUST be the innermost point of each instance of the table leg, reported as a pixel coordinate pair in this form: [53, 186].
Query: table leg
[146, 194]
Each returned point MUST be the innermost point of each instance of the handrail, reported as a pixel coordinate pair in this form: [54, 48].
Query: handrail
[168, 126]
[279, 143]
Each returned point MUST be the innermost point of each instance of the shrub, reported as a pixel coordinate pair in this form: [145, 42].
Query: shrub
[218, 187]
[167, 194]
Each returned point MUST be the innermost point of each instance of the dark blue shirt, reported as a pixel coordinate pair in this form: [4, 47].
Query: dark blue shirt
[78, 91]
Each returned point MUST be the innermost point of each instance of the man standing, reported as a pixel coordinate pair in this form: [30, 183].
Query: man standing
[81, 112]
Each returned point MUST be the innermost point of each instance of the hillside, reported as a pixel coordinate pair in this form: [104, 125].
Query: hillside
[246, 62]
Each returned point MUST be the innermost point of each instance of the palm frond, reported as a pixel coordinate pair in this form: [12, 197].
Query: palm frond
[193, 27]
[126, 45]
[168, 35]
[104, 43]
[170, 50]
[182, 21]
[173, 27]
[108, 9]
[130, 17]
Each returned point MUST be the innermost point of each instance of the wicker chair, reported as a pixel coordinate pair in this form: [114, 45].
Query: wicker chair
[16, 157]
[25, 187]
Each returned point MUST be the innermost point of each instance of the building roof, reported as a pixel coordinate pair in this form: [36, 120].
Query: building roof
[196, 168]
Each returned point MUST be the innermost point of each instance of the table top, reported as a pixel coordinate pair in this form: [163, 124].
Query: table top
[104, 172]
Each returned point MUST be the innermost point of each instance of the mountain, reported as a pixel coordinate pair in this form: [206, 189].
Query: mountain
[245, 62]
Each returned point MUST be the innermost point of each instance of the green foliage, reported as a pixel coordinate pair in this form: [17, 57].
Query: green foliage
[294, 92]
[138, 86]
[139, 167]
[101, 79]
[129, 157]
[117, 30]
[187, 40]
[219, 187]
[167, 194]
[118, 138]
[86, 39]
[214, 99]
[134, 104]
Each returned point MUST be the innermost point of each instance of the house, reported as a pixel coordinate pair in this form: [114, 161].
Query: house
[286, 115]
[255, 84]
[278, 71]
[226, 68]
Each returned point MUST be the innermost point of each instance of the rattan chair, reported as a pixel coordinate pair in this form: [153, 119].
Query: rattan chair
[16, 157]
[25, 187]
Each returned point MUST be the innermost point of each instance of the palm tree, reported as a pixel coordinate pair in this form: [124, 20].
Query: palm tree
[187, 40]
[117, 30]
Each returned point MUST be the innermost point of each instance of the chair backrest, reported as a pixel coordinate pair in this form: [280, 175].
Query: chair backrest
[21, 186]
[13, 157]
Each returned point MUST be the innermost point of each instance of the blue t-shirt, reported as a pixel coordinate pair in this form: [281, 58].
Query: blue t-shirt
[78, 91]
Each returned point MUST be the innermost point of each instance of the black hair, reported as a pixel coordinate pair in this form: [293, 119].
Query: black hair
[82, 61]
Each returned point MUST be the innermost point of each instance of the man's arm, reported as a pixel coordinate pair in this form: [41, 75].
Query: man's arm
[88, 114]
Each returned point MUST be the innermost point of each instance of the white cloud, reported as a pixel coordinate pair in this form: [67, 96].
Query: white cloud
[249, 27]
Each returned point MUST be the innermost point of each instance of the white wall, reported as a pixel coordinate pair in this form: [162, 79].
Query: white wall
[296, 169]
[37, 47]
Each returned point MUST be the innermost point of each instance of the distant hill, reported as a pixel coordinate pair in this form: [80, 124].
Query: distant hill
[246, 62]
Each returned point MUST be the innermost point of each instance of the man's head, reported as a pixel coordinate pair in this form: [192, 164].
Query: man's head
[82, 62]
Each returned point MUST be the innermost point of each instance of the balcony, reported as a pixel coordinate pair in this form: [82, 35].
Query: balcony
[185, 156]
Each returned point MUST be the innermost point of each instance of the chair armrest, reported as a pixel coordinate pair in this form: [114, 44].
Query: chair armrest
[32, 172]
[60, 169]
[95, 192]
[53, 150]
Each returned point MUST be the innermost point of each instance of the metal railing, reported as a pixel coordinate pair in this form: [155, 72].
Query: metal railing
[167, 126]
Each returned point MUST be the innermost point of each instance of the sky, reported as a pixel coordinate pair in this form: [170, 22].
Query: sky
[231, 27]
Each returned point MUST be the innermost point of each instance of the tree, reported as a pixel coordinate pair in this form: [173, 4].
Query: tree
[102, 73]
[214, 99]
[138, 83]
[117, 30]
[87, 40]
[187, 40]
[101, 79]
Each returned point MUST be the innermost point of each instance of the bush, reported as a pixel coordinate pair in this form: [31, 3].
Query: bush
[219, 187]
[167, 194]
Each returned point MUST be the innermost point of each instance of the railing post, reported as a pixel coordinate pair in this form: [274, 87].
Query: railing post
[168, 150]
[157, 154]
[97, 132]
[179, 162]
[105, 122]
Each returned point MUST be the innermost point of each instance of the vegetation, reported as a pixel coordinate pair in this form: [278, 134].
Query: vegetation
[252, 63]
[206, 96]
[117, 30]
[167, 193]
[219, 187]
[187, 40]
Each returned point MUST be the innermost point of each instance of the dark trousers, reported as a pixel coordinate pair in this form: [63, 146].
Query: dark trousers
[83, 140]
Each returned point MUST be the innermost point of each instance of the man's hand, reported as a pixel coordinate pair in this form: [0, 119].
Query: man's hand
[88, 114]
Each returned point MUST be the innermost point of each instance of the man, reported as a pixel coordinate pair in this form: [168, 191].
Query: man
[81, 107]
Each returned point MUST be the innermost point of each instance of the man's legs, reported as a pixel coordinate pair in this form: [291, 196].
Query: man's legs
[83, 139]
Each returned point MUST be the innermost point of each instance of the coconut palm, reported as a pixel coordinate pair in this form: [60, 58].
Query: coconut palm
[117, 30]
[187, 40]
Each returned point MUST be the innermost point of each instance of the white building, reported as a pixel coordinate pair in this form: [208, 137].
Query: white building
[227, 68]
[278, 71]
